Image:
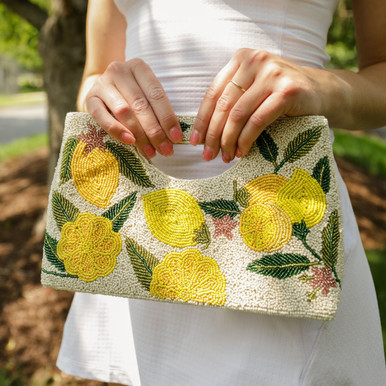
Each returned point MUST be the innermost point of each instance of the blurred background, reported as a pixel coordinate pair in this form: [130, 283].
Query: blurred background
[42, 52]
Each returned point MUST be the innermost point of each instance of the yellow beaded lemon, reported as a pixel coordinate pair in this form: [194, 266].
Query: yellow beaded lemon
[173, 216]
[302, 198]
[265, 227]
[95, 170]
[264, 189]
[89, 247]
[189, 276]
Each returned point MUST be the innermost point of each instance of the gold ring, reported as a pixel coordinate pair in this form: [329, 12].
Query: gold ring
[237, 85]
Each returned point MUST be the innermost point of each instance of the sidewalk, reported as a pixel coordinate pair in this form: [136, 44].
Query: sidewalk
[22, 121]
[381, 132]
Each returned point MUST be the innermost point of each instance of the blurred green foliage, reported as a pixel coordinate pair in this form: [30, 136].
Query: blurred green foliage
[365, 150]
[19, 39]
[341, 38]
[9, 378]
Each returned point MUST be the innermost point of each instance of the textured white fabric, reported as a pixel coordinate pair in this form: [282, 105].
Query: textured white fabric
[97, 336]
[349, 349]
[186, 43]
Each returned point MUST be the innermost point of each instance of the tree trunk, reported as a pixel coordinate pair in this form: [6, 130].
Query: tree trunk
[62, 47]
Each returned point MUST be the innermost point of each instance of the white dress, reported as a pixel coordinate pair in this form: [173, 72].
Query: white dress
[155, 344]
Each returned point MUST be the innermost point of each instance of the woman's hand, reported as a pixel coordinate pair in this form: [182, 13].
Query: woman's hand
[130, 104]
[232, 116]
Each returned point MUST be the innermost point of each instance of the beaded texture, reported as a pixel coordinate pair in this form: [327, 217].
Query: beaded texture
[264, 236]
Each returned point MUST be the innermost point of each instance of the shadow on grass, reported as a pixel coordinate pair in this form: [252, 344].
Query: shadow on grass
[377, 261]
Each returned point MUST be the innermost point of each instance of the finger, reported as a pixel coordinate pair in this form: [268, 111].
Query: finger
[141, 109]
[113, 100]
[271, 109]
[232, 94]
[107, 122]
[114, 128]
[238, 117]
[157, 97]
[209, 101]
[108, 98]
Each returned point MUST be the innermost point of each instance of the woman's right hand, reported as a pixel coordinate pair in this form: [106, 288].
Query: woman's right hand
[130, 104]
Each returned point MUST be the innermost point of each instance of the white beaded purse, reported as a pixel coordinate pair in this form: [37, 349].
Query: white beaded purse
[264, 236]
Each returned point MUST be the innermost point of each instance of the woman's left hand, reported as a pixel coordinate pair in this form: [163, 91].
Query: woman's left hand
[232, 115]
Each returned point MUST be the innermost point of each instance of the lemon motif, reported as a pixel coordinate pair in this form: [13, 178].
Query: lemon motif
[302, 198]
[173, 216]
[265, 227]
[95, 174]
[264, 189]
[189, 276]
[89, 247]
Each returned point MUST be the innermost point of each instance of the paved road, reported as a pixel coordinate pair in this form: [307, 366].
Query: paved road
[381, 132]
[23, 121]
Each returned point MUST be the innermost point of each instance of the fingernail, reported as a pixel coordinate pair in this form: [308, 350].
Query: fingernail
[166, 148]
[176, 134]
[194, 138]
[238, 153]
[207, 154]
[149, 151]
[127, 138]
[226, 157]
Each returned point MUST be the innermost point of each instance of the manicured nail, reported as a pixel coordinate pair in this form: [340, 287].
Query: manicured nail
[176, 134]
[226, 157]
[149, 151]
[166, 148]
[128, 138]
[194, 138]
[238, 153]
[207, 154]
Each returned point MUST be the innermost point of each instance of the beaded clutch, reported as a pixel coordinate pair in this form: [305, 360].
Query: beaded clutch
[264, 236]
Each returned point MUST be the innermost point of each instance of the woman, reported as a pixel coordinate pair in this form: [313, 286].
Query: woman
[150, 60]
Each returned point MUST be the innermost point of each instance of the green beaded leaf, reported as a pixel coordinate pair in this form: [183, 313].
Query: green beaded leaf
[267, 147]
[68, 151]
[300, 230]
[50, 246]
[321, 173]
[58, 274]
[119, 212]
[129, 165]
[241, 195]
[302, 144]
[142, 261]
[220, 208]
[202, 236]
[63, 210]
[280, 265]
[330, 240]
[184, 126]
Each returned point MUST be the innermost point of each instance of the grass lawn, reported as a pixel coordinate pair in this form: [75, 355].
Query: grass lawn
[22, 146]
[9, 100]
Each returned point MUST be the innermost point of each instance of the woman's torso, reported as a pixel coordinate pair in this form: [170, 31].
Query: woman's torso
[186, 43]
